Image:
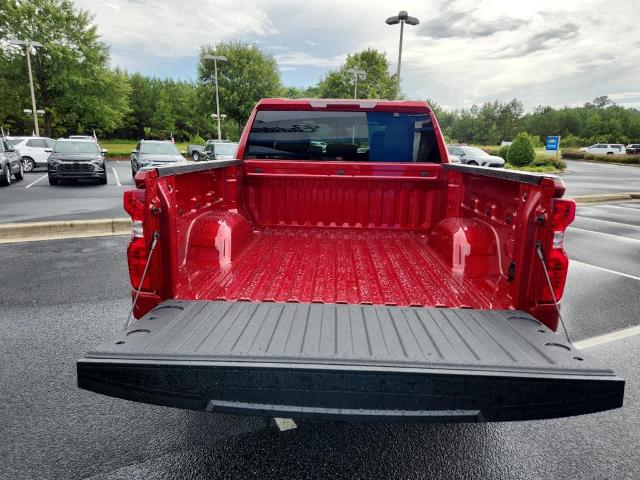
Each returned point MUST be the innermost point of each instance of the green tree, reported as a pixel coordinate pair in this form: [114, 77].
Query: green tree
[379, 83]
[248, 75]
[521, 151]
[71, 76]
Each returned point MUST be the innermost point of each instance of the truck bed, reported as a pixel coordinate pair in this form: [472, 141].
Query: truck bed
[349, 361]
[338, 265]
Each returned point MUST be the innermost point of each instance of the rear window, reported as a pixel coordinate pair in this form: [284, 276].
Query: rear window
[164, 148]
[343, 136]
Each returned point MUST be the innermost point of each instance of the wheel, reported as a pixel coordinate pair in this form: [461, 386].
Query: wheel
[53, 181]
[28, 164]
[609, 153]
[103, 180]
[20, 175]
[5, 180]
[195, 156]
[472, 163]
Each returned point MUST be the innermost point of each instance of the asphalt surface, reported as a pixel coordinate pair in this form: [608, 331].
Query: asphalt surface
[62, 297]
[86, 200]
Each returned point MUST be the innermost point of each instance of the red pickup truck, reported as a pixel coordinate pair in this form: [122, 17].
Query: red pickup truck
[342, 268]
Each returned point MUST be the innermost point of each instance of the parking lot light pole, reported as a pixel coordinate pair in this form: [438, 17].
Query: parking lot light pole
[402, 18]
[356, 73]
[216, 59]
[27, 44]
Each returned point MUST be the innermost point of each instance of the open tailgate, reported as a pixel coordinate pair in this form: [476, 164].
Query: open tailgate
[355, 362]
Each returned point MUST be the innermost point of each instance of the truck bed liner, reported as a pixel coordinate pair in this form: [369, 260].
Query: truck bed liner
[331, 265]
[354, 360]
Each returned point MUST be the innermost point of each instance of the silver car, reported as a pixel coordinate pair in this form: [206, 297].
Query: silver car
[154, 153]
[475, 156]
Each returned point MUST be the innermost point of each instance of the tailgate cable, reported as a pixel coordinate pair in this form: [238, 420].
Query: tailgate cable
[144, 274]
[553, 295]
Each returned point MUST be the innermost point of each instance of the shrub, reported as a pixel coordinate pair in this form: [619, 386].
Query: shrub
[197, 140]
[502, 152]
[521, 151]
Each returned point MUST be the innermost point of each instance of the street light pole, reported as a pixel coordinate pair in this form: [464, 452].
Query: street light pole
[215, 59]
[402, 18]
[28, 44]
[356, 73]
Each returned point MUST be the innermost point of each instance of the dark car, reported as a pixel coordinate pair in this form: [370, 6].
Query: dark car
[76, 159]
[10, 163]
[633, 148]
[154, 153]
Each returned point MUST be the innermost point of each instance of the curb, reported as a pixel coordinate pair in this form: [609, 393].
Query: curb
[34, 231]
[606, 197]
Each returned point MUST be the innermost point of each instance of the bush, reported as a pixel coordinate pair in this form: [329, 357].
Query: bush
[197, 140]
[521, 152]
[502, 152]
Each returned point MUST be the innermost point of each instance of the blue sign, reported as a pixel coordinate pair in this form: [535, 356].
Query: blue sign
[552, 143]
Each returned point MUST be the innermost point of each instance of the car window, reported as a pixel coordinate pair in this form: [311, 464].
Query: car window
[6, 145]
[474, 151]
[14, 141]
[80, 146]
[343, 136]
[226, 148]
[138, 146]
[36, 143]
[160, 148]
[600, 145]
[48, 142]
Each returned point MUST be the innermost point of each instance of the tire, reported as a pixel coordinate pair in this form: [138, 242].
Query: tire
[53, 181]
[195, 156]
[20, 175]
[5, 179]
[28, 164]
[472, 163]
[609, 153]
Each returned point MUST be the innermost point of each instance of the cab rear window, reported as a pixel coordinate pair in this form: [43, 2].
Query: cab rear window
[343, 136]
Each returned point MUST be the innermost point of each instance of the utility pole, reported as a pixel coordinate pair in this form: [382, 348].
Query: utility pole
[28, 44]
[215, 59]
[402, 18]
[356, 73]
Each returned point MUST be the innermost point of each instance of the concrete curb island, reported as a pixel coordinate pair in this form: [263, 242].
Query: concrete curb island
[36, 231]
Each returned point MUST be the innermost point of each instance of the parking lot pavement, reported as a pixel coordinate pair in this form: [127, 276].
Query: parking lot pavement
[588, 178]
[34, 200]
[62, 297]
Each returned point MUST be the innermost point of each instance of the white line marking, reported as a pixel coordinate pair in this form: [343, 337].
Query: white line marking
[620, 237]
[608, 337]
[36, 181]
[115, 174]
[606, 221]
[285, 424]
[605, 269]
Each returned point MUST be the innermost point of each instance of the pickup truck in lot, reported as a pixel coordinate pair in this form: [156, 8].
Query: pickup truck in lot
[340, 267]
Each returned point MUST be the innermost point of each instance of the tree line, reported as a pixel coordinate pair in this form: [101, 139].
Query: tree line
[80, 93]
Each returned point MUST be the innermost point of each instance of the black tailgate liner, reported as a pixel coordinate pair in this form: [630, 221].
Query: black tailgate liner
[350, 361]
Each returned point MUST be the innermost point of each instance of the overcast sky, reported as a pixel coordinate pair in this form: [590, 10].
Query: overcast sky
[555, 52]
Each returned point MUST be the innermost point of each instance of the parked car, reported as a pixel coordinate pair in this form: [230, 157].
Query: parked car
[300, 282]
[32, 150]
[153, 153]
[76, 159]
[10, 164]
[605, 149]
[633, 148]
[196, 151]
[475, 156]
[82, 137]
[215, 150]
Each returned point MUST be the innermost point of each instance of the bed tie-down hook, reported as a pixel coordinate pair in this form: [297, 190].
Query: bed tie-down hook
[144, 274]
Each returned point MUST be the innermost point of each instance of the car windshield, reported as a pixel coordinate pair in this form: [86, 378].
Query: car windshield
[343, 136]
[161, 148]
[76, 147]
[474, 151]
[225, 148]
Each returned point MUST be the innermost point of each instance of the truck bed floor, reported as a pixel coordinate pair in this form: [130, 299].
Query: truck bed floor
[324, 265]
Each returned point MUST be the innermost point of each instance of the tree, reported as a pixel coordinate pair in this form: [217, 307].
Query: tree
[521, 151]
[71, 76]
[248, 75]
[379, 83]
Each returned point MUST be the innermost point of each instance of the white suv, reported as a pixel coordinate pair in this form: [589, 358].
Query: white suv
[32, 150]
[605, 149]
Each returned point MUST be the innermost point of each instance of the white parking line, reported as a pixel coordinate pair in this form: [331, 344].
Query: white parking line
[608, 337]
[36, 181]
[603, 233]
[606, 270]
[605, 221]
[115, 174]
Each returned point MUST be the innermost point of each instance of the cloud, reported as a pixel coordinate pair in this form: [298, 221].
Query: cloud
[540, 41]
[303, 59]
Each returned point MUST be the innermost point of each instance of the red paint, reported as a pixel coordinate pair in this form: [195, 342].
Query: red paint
[349, 232]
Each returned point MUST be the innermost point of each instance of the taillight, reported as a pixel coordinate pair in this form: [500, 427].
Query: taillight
[556, 260]
[134, 205]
